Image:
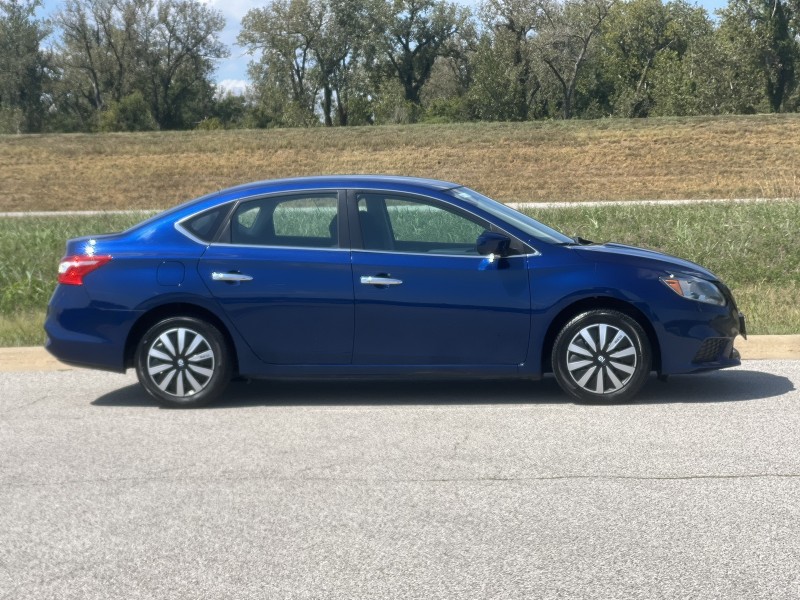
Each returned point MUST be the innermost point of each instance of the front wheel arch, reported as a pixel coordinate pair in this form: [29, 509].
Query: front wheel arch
[599, 303]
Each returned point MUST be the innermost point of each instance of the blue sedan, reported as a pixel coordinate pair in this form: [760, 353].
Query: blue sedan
[386, 277]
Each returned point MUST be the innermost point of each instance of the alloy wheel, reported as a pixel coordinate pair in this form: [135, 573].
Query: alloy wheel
[180, 362]
[601, 358]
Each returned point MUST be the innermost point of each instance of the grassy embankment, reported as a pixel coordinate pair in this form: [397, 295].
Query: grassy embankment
[612, 159]
[754, 248]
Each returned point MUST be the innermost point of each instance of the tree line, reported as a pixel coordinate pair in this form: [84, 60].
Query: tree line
[132, 65]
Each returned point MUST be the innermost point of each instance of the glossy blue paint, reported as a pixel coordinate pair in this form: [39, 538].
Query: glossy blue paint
[298, 309]
[448, 310]
[305, 313]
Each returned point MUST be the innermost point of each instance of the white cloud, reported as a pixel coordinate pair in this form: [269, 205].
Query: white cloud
[234, 10]
[237, 87]
[233, 68]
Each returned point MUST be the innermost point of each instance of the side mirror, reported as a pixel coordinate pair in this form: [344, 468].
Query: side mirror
[496, 244]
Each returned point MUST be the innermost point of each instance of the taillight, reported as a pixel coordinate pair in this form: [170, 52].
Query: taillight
[72, 269]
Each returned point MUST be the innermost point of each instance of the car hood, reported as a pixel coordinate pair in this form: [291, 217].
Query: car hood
[641, 257]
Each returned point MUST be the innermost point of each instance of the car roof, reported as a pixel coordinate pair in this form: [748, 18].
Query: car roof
[300, 184]
[343, 181]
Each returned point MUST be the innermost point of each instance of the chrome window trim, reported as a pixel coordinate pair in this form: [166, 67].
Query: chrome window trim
[236, 201]
[271, 247]
[178, 225]
[185, 232]
[182, 230]
[479, 256]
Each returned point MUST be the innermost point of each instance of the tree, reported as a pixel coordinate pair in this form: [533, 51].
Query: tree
[702, 73]
[564, 39]
[634, 34]
[411, 34]
[178, 54]
[312, 55]
[99, 47]
[284, 32]
[506, 79]
[163, 49]
[765, 33]
[642, 38]
[23, 66]
[338, 52]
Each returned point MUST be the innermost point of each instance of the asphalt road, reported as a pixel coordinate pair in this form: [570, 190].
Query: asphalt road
[401, 490]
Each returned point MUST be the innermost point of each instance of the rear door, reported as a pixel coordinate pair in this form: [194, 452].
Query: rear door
[282, 274]
[423, 294]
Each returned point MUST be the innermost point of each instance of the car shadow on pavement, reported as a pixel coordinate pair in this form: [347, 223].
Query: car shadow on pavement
[730, 386]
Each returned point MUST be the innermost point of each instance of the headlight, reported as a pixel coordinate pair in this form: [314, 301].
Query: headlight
[695, 289]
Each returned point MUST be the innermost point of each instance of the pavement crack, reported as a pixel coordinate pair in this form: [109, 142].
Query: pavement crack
[21, 406]
[500, 479]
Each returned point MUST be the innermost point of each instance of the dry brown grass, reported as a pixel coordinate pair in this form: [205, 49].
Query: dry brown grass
[755, 156]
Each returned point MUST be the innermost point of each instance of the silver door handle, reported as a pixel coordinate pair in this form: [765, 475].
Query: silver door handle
[236, 277]
[373, 280]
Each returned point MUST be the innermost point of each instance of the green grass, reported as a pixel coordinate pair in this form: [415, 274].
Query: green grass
[30, 248]
[22, 328]
[754, 248]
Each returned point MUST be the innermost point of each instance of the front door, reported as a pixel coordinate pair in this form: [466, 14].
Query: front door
[423, 294]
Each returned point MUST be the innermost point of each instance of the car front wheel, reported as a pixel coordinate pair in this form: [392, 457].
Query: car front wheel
[183, 362]
[601, 356]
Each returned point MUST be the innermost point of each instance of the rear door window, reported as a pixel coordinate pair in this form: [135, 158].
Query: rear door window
[309, 221]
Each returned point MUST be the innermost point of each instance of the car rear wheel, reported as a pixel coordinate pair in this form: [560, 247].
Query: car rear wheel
[183, 362]
[601, 356]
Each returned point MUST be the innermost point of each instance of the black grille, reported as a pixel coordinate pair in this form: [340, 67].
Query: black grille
[711, 350]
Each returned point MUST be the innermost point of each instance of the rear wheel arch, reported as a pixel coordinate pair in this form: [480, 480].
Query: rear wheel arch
[178, 309]
[595, 303]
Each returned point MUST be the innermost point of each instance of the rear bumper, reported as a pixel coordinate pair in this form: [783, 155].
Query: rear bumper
[82, 334]
[81, 353]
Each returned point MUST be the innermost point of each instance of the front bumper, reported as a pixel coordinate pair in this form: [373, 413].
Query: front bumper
[700, 338]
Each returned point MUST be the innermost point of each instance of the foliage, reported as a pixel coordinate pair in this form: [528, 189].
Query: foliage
[410, 35]
[312, 53]
[131, 113]
[112, 50]
[365, 62]
[24, 67]
[506, 78]
[764, 35]
[566, 39]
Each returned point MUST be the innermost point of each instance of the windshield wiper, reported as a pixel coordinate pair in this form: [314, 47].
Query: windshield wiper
[577, 241]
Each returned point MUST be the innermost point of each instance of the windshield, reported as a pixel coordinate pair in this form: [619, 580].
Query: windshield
[522, 222]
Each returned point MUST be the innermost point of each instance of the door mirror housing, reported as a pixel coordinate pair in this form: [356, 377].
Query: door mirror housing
[493, 243]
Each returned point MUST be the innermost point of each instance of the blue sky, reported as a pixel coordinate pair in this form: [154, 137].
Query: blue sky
[231, 73]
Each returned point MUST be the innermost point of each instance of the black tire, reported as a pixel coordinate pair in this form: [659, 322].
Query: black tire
[602, 356]
[183, 362]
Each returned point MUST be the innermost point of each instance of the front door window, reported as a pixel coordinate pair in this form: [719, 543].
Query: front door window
[416, 226]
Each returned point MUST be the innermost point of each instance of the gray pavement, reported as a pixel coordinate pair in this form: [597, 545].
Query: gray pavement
[401, 490]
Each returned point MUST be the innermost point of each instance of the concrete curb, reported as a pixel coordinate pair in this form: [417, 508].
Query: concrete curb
[756, 347]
